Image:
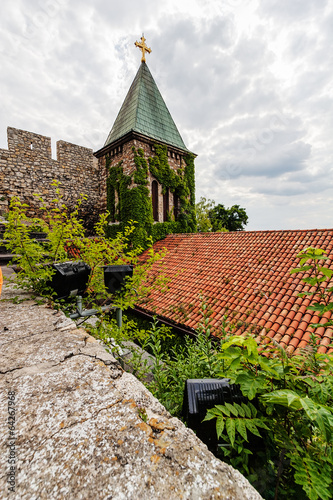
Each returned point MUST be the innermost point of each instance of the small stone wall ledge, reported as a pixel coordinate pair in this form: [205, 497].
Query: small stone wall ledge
[78, 433]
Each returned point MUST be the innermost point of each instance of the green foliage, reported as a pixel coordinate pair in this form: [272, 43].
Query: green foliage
[142, 413]
[318, 276]
[289, 406]
[172, 362]
[161, 229]
[320, 416]
[190, 177]
[296, 415]
[181, 183]
[136, 340]
[202, 208]
[281, 435]
[294, 403]
[64, 237]
[32, 256]
[235, 417]
[166, 176]
[232, 219]
[134, 202]
[100, 250]
[211, 217]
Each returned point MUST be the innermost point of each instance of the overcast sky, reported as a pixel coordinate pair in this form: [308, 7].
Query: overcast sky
[249, 84]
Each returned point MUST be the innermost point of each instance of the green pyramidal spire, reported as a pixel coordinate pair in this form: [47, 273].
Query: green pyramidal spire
[145, 112]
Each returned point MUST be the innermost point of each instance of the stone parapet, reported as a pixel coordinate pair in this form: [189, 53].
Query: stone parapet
[77, 429]
[27, 167]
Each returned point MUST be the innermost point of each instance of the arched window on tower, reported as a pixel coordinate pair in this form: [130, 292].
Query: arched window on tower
[175, 206]
[154, 196]
[165, 205]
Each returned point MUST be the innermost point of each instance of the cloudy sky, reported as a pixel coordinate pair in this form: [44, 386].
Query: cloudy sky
[248, 83]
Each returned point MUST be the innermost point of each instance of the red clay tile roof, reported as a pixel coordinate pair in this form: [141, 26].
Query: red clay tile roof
[245, 276]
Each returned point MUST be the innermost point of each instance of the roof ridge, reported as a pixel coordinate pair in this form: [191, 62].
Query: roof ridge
[189, 235]
[138, 94]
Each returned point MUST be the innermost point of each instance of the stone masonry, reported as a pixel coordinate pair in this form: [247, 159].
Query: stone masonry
[27, 167]
[74, 427]
[123, 152]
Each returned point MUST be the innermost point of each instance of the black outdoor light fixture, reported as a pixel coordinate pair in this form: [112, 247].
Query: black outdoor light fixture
[115, 277]
[71, 279]
[202, 394]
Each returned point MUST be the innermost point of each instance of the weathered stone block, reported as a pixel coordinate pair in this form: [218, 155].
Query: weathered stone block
[78, 430]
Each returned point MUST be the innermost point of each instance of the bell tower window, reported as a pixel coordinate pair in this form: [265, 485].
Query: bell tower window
[154, 196]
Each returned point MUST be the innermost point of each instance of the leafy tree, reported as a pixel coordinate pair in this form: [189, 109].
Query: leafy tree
[211, 217]
[232, 219]
[202, 209]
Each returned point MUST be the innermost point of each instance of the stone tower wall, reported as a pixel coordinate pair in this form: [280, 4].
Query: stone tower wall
[27, 167]
[125, 154]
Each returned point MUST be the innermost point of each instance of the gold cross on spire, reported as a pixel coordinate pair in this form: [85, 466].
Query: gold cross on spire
[143, 47]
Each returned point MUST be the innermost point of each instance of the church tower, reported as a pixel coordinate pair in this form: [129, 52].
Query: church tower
[148, 171]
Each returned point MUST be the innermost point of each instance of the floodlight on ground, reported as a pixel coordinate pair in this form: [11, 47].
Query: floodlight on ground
[114, 280]
[115, 277]
[70, 279]
[203, 394]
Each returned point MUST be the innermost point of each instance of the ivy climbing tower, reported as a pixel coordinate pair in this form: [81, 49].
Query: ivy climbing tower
[148, 171]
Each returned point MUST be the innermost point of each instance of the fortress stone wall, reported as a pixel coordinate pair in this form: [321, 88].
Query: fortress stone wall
[27, 167]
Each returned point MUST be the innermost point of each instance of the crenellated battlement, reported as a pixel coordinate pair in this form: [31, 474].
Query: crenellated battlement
[28, 143]
[27, 167]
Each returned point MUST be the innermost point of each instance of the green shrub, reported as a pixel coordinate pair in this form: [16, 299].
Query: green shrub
[295, 405]
[64, 238]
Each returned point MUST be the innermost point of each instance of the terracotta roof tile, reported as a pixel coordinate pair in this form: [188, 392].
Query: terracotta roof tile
[293, 342]
[245, 275]
[275, 327]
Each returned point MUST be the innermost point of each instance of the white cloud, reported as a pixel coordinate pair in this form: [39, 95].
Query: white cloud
[248, 83]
